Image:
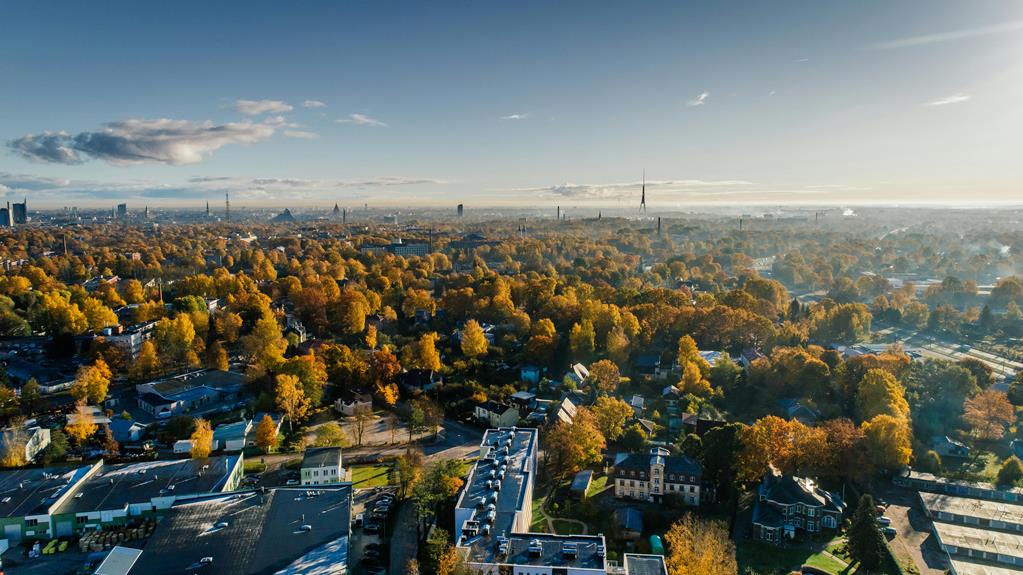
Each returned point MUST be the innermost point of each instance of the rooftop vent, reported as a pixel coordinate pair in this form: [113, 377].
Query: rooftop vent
[569, 549]
[600, 550]
[535, 548]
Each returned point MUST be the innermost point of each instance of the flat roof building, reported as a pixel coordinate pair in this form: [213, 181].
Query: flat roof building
[495, 509]
[322, 465]
[979, 512]
[280, 531]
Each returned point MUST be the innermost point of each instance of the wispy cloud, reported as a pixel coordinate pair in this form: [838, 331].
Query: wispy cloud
[522, 116]
[953, 99]
[240, 187]
[161, 141]
[302, 134]
[314, 104]
[257, 107]
[949, 36]
[623, 189]
[361, 120]
[699, 100]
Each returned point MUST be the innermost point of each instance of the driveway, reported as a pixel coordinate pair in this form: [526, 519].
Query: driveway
[914, 539]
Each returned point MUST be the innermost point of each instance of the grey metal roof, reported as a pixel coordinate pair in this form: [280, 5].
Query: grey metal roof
[254, 533]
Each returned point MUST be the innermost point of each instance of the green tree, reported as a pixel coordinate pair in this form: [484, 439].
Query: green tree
[331, 434]
[866, 543]
[1011, 471]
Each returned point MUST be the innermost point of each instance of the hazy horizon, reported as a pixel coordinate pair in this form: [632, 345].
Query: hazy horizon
[403, 104]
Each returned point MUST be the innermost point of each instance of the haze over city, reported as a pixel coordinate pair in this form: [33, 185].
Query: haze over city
[513, 104]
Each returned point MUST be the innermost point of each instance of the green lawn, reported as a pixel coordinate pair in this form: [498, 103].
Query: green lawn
[566, 527]
[598, 485]
[765, 558]
[539, 524]
[370, 475]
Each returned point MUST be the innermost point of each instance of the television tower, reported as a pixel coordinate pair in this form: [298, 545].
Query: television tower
[642, 197]
[227, 206]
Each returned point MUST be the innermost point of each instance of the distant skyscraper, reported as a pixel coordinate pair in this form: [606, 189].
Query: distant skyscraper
[344, 215]
[122, 211]
[227, 206]
[5, 216]
[461, 210]
[642, 197]
[20, 213]
[207, 209]
[145, 213]
[337, 212]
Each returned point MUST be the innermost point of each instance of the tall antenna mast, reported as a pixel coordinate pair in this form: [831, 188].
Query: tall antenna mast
[642, 198]
[227, 206]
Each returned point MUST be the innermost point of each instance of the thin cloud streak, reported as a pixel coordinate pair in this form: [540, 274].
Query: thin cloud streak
[516, 116]
[259, 107]
[953, 99]
[314, 104]
[926, 39]
[699, 100]
[361, 120]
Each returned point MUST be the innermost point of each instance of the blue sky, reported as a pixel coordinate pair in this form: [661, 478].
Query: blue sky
[309, 103]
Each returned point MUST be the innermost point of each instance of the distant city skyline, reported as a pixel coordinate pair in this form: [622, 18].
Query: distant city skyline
[511, 104]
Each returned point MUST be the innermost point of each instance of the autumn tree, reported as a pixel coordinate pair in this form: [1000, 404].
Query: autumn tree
[886, 440]
[605, 376]
[265, 345]
[1011, 471]
[91, 383]
[331, 434]
[582, 339]
[611, 414]
[474, 341]
[202, 439]
[408, 471]
[290, 398]
[988, 413]
[699, 547]
[216, 357]
[693, 382]
[12, 450]
[266, 434]
[880, 393]
[573, 446]
[422, 354]
[81, 427]
[147, 364]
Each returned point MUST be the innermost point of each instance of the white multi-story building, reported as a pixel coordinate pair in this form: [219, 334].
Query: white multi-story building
[650, 477]
[495, 510]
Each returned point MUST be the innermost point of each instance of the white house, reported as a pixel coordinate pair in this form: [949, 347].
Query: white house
[496, 414]
[322, 466]
[350, 404]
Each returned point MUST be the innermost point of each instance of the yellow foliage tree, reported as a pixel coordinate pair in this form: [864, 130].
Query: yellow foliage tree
[887, 441]
[697, 547]
[147, 364]
[202, 439]
[880, 393]
[693, 381]
[91, 383]
[266, 434]
[474, 341]
[291, 398]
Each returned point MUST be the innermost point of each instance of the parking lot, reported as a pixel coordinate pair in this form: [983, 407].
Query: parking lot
[368, 551]
[914, 539]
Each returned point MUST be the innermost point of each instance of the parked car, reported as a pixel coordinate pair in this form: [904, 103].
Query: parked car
[884, 521]
[372, 527]
[889, 532]
[360, 519]
[292, 482]
[371, 553]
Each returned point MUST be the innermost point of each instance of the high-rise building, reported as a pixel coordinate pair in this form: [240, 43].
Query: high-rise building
[337, 212]
[122, 211]
[461, 210]
[20, 213]
[5, 216]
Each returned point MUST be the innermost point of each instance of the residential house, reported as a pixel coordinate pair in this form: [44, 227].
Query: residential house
[648, 367]
[419, 380]
[638, 404]
[577, 374]
[795, 409]
[530, 373]
[629, 521]
[126, 430]
[351, 403]
[525, 401]
[947, 447]
[698, 424]
[789, 506]
[650, 477]
[496, 414]
[322, 466]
